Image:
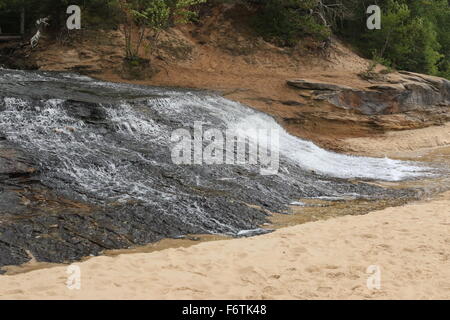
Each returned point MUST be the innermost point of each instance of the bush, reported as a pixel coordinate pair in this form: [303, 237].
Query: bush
[414, 35]
[285, 22]
[145, 19]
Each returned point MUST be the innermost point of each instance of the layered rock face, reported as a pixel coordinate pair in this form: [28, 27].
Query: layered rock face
[401, 92]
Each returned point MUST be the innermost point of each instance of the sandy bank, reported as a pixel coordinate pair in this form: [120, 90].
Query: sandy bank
[403, 144]
[326, 259]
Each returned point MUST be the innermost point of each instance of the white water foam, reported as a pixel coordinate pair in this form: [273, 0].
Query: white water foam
[306, 154]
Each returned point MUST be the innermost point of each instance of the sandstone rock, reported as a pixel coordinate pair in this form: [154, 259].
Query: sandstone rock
[410, 92]
[316, 85]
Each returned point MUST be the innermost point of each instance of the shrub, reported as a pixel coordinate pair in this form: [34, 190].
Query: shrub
[285, 22]
[414, 35]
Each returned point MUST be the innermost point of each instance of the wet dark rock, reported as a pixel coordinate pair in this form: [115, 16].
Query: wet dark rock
[90, 112]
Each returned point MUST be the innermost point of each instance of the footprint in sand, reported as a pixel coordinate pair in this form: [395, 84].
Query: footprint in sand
[330, 266]
[368, 236]
[335, 275]
[291, 269]
[16, 291]
[324, 289]
[42, 288]
[313, 269]
[299, 250]
[270, 290]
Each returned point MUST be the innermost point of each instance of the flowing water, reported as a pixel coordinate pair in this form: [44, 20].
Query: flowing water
[108, 147]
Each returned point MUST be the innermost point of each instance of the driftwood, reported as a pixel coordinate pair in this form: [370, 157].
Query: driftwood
[41, 23]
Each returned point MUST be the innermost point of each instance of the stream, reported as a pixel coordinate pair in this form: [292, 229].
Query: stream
[87, 166]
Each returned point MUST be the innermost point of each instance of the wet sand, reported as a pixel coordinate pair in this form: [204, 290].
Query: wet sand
[318, 260]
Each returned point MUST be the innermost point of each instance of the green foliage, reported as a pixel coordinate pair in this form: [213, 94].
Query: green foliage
[414, 35]
[287, 21]
[154, 15]
[149, 17]
[405, 40]
[99, 14]
[182, 13]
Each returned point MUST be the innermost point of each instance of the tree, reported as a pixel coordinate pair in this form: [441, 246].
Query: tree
[437, 12]
[414, 35]
[142, 17]
[406, 40]
[287, 21]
